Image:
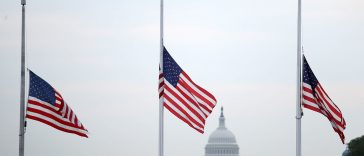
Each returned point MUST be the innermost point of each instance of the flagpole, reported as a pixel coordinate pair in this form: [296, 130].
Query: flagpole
[22, 84]
[299, 94]
[161, 107]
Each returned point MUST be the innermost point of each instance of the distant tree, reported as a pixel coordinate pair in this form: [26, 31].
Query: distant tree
[356, 146]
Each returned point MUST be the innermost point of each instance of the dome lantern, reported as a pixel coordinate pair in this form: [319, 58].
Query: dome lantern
[222, 119]
[222, 141]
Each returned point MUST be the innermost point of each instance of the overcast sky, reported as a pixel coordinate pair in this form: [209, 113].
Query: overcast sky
[103, 57]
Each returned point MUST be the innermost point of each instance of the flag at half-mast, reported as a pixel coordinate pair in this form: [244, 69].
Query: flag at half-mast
[46, 105]
[316, 99]
[182, 97]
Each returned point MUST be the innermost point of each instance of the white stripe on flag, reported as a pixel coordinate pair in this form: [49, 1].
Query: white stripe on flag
[180, 103]
[195, 99]
[327, 107]
[181, 114]
[57, 123]
[196, 89]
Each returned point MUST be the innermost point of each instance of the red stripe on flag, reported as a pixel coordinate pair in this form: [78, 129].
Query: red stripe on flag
[65, 113]
[161, 94]
[166, 97]
[325, 107]
[182, 118]
[200, 88]
[311, 108]
[32, 102]
[55, 126]
[189, 96]
[309, 90]
[46, 114]
[194, 93]
[195, 103]
[320, 91]
[185, 104]
[309, 99]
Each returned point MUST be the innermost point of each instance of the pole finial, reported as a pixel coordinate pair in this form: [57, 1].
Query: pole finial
[23, 2]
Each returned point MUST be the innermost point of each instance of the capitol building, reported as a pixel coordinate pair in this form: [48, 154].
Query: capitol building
[222, 141]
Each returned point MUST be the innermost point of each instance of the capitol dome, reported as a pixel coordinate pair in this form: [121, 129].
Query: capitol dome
[222, 141]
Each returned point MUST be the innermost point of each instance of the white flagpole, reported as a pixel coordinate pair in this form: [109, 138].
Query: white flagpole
[161, 107]
[299, 81]
[22, 84]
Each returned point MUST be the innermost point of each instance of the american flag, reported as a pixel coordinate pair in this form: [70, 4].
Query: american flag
[46, 105]
[316, 99]
[182, 97]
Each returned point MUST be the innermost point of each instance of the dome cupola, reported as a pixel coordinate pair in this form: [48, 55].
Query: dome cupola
[222, 141]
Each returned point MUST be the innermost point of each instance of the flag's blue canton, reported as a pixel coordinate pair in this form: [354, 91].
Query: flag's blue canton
[308, 76]
[40, 89]
[171, 69]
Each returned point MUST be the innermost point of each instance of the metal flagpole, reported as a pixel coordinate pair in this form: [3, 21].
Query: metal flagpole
[22, 84]
[299, 81]
[161, 107]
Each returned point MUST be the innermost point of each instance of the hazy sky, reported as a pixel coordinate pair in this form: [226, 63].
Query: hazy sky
[103, 57]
